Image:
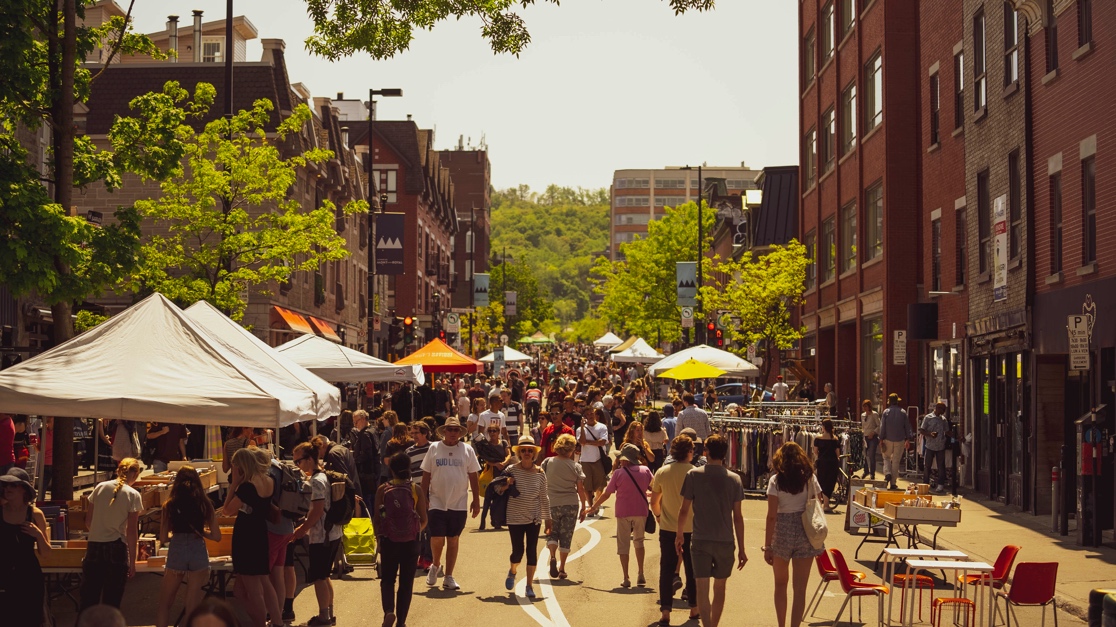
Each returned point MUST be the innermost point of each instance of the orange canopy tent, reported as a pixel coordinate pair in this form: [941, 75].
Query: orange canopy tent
[437, 356]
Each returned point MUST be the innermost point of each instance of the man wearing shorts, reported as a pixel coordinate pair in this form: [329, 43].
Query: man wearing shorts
[281, 551]
[714, 494]
[593, 438]
[449, 470]
[323, 544]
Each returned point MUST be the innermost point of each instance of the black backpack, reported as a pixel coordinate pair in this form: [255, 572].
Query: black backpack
[340, 510]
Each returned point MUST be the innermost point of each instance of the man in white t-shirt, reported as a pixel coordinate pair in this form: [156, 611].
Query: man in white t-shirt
[449, 470]
[493, 417]
[593, 438]
[780, 390]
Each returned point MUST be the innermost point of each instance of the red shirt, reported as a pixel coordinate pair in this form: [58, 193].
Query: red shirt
[550, 436]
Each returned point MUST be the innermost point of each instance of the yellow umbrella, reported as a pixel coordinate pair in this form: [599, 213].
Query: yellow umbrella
[693, 369]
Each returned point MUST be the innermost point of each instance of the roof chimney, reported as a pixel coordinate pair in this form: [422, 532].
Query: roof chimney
[172, 32]
[344, 134]
[408, 117]
[197, 36]
[340, 95]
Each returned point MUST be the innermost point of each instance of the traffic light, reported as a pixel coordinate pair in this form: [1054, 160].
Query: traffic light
[720, 338]
[408, 330]
[442, 335]
[710, 327]
[395, 331]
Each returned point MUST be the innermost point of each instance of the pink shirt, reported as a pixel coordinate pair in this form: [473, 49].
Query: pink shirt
[630, 500]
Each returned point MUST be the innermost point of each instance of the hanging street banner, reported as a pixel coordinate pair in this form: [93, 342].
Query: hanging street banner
[509, 303]
[1000, 245]
[390, 231]
[480, 290]
[686, 275]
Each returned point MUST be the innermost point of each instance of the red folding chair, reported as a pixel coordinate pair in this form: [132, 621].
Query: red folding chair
[1000, 570]
[828, 575]
[854, 588]
[1032, 585]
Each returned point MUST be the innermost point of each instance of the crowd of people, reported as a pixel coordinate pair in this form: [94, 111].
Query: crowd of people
[532, 452]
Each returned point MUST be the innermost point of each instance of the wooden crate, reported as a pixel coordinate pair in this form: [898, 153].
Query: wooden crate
[930, 514]
[222, 546]
[63, 558]
[208, 478]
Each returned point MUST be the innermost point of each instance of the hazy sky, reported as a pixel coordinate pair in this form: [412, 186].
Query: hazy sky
[603, 85]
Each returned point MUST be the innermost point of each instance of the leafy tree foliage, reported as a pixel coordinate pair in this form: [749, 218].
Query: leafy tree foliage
[761, 291]
[486, 325]
[230, 220]
[639, 292]
[532, 307]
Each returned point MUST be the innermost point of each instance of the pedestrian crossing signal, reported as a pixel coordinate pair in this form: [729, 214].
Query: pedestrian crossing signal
[720, 335]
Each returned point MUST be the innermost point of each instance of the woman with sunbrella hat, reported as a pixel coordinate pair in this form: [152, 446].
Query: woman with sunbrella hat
[528, 506]
[22, 542]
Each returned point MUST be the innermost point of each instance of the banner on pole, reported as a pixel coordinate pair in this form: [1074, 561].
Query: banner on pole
[390, 235]
[480, 290]
[509, 303]
[686, 275]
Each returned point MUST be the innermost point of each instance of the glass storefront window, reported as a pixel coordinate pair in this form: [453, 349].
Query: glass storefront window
[984, 413]
[1017, 411]
[872, 361]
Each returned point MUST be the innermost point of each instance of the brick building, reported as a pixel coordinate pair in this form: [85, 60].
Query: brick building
[1070, 58]
[472, 184]
[859, 71]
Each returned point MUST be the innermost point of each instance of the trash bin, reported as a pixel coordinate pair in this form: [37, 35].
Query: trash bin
[1109, 619]
[1096, 605]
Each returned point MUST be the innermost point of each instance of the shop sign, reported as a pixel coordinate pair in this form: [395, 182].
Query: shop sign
[1078, 327]
[861, 517]
[1000, 245]
[899, 348]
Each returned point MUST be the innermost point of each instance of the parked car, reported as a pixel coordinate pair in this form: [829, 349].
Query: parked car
[728, 393]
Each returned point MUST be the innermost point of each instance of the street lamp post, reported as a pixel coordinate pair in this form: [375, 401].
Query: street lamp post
[372, 93]
[698, 316]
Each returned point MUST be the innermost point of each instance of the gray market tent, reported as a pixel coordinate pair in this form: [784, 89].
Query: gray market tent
[608, 340]
[231, 335]
[735, 367]
[639, 352]
[152, 362]
[510, 355]
[334, 362]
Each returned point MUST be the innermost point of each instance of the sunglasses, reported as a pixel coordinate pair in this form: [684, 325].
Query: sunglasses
[526, 451]
[300, 459]
[451, 429]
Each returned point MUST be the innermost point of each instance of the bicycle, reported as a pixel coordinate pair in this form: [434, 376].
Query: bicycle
[841, 492]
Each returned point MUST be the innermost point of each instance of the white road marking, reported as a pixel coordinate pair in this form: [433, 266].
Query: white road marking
[553, 608]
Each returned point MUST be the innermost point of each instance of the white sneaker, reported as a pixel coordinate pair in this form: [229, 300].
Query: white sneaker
[432, 576]
[449, 583]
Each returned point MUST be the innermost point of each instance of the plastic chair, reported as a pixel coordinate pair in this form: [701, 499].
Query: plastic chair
[936, 606]
[921, 582]
[1032, 585]
[854, 588]
[1000, 570]
[828, 574]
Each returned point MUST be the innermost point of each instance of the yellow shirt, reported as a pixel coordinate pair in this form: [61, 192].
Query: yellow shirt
[668, 482]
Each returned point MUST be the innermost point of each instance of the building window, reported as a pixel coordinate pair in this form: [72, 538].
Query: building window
[936, 255]
[984, 223]
[1089, 210]
[828, 140]
[1051, 37]
[213, 49]
[873, 215]
[873, 79]
[1015, 207]
[808, 60]
[829, 250]
[935, 111]
[1011, 44]
[848, 237]
[848, 16]
[828, 33]
[980, 65]
[960, 243]
[848, 119]
[1084, 22]
[872, 360]
[810, 153]
[959, 90]
[812, 260]
[1056, 223]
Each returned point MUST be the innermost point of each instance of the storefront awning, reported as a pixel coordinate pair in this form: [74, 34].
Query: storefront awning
[324, 329]
[295, 321]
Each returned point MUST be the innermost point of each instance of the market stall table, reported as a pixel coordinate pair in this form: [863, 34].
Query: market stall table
[962, 568]
[66, 580]
[908, 523]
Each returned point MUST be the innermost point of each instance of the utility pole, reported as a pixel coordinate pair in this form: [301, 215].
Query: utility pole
[371, 318]
[472, 251]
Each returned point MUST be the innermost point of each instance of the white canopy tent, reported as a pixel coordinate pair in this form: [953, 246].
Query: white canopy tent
[334, 362]
[231, 335]
[510, 355]
[153, 363]
[640, 352]
[735, 367]
[608, 340]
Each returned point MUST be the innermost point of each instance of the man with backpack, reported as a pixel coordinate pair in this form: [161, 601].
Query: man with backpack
[533, 401]
[324, 541]
[400, 514]
[366, 452]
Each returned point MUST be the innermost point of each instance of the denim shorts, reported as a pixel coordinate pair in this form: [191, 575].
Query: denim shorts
[187, 554]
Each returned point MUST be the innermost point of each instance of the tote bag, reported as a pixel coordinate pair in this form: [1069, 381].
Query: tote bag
[813, 518]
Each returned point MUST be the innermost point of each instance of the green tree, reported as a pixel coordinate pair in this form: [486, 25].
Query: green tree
[486, 326]
[639, 292]
[532, 307]
[762, 292]
[229, 220]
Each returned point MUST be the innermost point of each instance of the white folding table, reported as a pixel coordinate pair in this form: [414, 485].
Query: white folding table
[961, 567]
[891, 556]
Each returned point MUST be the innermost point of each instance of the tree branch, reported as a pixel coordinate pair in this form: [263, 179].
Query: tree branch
[119, 41]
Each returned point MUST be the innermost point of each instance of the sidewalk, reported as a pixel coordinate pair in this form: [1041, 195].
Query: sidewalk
[986, 526]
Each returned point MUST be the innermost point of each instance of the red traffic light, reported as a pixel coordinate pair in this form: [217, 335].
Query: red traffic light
[711, 326]
[720, 334]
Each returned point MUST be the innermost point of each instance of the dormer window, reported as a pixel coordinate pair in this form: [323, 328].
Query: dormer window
[213, 49]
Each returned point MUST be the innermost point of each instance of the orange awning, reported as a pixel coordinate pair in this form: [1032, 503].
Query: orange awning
[325, 329]
[295, 321]
[437, 356]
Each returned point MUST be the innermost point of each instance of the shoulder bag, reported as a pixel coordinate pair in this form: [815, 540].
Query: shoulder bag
[813, 518]
[649, 524]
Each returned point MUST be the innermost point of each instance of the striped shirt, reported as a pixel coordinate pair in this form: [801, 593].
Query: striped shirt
[532, 506]
[417, 454]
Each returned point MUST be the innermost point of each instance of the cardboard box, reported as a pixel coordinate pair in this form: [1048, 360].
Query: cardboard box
[222, 546]
[77, 519]
[889, 496]
[208, 478]
[63, 558]
[863, 497]
[928, 514]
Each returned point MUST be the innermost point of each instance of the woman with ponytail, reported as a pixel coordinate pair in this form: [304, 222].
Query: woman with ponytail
[188, 519]
[110, 558]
